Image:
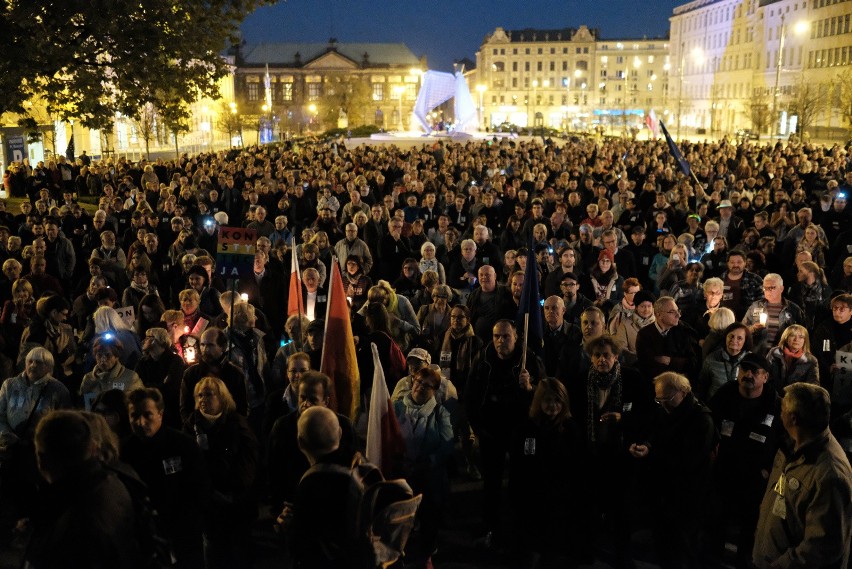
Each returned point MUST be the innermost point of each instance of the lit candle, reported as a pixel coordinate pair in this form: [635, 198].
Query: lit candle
[763, 318]
[244, 297]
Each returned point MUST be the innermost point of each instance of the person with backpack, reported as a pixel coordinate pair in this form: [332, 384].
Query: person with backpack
[321, 523]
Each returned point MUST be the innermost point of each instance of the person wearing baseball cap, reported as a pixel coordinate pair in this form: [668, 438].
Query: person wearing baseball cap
[747, 415]
[731, 226]
[417, 359]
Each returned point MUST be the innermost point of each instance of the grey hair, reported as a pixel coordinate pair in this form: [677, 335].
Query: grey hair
[41, 354]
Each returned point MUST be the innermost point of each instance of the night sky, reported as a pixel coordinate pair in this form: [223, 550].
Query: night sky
[447, 30]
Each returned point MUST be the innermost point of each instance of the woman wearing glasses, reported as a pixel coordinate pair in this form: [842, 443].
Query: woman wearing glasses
[428, 435]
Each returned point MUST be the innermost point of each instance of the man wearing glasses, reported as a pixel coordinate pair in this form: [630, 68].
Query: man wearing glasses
[575, 303]
[679, 456]
[667, 345]
[768, 317]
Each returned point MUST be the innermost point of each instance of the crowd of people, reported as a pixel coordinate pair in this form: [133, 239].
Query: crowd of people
[696, 360]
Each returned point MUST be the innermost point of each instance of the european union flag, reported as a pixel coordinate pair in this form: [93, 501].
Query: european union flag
[531, 304]
[681, 161]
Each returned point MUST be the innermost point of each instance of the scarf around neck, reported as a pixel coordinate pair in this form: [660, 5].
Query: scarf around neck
[601, 381]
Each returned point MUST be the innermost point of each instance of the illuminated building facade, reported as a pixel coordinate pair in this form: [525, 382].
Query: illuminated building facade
[289, 83]
[570, 79]
[766, 65]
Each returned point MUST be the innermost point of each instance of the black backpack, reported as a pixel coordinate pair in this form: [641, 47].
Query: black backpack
[155, 551]
[386, 512]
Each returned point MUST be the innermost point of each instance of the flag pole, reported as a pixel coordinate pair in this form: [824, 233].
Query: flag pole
[526, 330]
[295, 261]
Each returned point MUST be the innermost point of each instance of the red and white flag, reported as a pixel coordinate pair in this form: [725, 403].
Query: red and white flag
[295, 305]
[385, 445]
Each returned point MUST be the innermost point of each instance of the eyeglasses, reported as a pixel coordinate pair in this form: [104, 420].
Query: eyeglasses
[696, 270]
[569, 285]
[661, 400]
[770, 288]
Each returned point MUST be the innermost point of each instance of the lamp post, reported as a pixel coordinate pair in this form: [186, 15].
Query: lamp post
[481, 89]
[312, 108]
[798, 29]
[778, 74]
[680, 89]
[399, 90]
[531, 120]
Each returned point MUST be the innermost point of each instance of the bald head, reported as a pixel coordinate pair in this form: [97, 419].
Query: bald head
[319, 432]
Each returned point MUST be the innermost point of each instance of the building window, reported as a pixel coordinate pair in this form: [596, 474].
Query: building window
[378, 91]
[538, 66]
[252, 91]
[526, 66]
[514, 66]
[287, 91]
[314, 91]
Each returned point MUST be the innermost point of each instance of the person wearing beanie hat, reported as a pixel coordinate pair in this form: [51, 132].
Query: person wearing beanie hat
[628, 328]
[603, 285]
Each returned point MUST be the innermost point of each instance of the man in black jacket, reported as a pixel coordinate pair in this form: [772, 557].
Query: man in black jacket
[748, 418]
[679, 454]
[498, 398]
[172, 466]
[286, 462]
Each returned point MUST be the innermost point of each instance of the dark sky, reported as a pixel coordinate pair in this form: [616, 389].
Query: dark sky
[446, 30]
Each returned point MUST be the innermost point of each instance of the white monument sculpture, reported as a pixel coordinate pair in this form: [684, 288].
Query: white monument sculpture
[438, 87]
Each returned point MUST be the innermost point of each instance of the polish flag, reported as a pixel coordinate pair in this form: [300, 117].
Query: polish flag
[295, 304]
[385, 445]
[339, 361]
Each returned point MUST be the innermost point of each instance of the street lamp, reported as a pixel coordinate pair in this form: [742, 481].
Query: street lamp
[798, 29]
[399, 90]
[312, 108]
[481, 88]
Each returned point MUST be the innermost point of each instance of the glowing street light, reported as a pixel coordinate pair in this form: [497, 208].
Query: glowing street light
[400, 91]
[481, 89]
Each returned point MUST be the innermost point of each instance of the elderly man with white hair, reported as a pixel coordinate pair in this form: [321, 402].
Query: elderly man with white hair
[351, 244]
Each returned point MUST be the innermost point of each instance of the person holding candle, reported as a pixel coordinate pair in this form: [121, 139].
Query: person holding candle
[768, 317]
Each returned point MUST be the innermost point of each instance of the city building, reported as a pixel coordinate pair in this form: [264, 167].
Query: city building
[570, 79]
[292, 87]
[764, 65]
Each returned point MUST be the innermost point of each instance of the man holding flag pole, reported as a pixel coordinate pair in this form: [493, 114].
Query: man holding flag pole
[499, 394]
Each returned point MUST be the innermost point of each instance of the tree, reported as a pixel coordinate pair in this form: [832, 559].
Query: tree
[147, 123]
[89, 59]
[758, 110]
[843, 90]
[347, 93]
[806, 102]
[230, 120]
